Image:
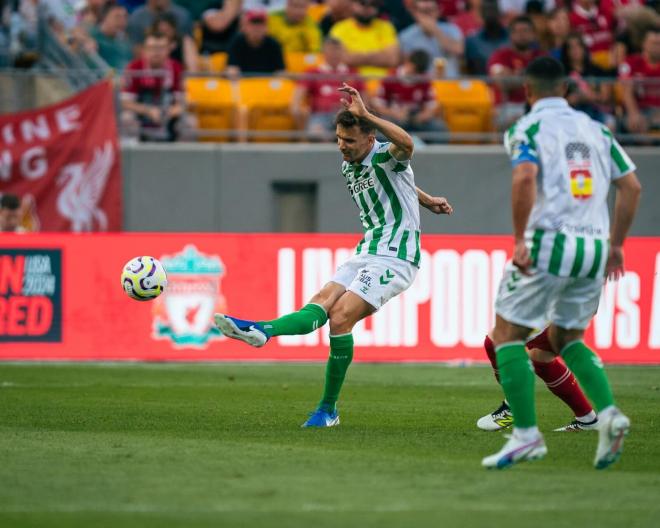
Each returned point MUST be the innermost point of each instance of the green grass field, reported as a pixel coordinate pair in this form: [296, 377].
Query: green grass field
[221, 445]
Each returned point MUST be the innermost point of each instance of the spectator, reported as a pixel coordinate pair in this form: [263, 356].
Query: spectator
[262, 5]
[197, 8]
[583, 95]
[408, 98]
[131, 5]
[252, 50]
[636, 21]
[220, 26]
[10, 214]
[480, 46]
[112, 43]
[511, 61]
[294, 29]
[152, 96]
[317, 99]
[442, 40]
[89, 12]
[640, 76]
[338, 10]
[183, 47]
[597, 28]
[399, 13]
[559, 26]
[370, 42]
[143, 18]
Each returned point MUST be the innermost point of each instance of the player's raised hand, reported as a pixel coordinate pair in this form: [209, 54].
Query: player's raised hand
[439, 205]
[355, 105]
[614, 267]
[521, 258]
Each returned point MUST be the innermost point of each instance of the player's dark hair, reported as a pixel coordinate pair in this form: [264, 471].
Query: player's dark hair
[420, 59]
[546, 76]
[521, 19]
[10, 201]
[347, 120]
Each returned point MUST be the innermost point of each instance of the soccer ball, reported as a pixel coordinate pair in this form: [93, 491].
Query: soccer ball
[143, 278]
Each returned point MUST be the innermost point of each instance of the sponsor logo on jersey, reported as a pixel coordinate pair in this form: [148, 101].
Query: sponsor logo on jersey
[183, 313]
[361, 185]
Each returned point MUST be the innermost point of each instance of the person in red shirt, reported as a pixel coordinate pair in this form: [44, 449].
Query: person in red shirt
[511, 61]
[317, 97]
[641, 99]
[595, 25]
[152, 95]
[408, 99]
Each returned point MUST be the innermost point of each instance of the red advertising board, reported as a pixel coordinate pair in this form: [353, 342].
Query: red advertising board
[64, 162]
[61, 298]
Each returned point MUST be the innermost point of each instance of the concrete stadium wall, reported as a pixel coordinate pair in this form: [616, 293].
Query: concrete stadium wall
[232, 188]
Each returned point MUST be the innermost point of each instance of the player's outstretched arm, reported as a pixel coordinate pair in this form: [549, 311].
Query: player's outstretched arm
[435, 204]
[628, 190]
[402, 144]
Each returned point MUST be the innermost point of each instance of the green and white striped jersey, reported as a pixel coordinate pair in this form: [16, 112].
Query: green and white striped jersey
[568, 228]
[385, 193]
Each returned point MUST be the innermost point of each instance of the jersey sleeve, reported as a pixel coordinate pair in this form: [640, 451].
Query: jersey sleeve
[620, 163]
[520, 144]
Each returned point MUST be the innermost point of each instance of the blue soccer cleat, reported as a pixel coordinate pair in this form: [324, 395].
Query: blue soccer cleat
[322, 418]
[249, 332]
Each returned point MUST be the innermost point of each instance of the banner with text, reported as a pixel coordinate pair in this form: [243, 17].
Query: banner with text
[64, 162]
[61, 298]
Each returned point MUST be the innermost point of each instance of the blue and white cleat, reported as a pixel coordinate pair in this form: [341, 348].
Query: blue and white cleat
[614, 427]
[249, 332]
[322, 418]
[516, 450]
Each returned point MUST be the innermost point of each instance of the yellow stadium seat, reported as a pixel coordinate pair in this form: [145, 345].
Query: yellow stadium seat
[298, 62]
[372, 86]
[217, 62]
[602, 59]
[266, 102]
[213, 102]
[467, 106]
[317, 12]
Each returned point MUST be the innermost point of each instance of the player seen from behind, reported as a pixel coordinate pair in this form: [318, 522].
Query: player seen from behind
[563, 165]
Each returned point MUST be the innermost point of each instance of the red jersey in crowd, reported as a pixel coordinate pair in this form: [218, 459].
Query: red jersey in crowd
[636, 67]
[510, 58]
[322, 91]
[153, 86]
[414, 95]
[610, 7]
[595, 25]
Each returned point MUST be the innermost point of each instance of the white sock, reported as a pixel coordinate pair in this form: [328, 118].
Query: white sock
[587, 418]
[526, 433]
[606, 411]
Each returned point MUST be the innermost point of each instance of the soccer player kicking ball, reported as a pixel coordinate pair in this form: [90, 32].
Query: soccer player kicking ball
[563, 164]
[381, 182]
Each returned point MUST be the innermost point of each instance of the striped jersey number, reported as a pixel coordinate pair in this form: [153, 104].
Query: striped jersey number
[579, 166]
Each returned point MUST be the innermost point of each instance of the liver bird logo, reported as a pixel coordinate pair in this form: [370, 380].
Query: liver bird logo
[82, 189]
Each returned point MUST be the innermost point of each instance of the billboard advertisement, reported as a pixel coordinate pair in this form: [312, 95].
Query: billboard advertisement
[61, 298]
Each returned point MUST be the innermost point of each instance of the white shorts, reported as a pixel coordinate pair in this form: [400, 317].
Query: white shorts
[536, 300]
[375, 278]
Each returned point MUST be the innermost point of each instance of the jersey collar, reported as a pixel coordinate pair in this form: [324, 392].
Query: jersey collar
[549, 102]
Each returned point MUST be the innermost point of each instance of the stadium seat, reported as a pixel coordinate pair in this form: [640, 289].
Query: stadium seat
[602, 59]
[466, 106]
[217, 62]
[213, 102]
[317, 11]
[298, 62]
[265, 104]
[371, 87]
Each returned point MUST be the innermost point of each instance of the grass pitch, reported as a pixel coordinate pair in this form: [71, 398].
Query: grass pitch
[221, 445]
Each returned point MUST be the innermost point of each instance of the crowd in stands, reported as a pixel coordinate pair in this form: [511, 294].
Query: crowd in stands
[405, 43]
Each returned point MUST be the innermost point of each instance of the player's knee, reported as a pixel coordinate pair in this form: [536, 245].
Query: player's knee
[340, 322]
[560, 337]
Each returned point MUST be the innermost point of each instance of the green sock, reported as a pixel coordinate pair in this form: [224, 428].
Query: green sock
[304, 321]
[341, 355]
[588, 369]
[517, 380]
